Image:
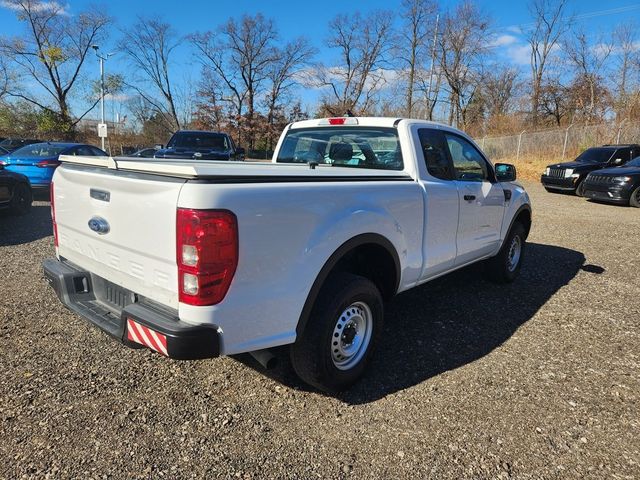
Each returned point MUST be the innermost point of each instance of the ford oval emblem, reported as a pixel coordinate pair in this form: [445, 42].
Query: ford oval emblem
[99, 225]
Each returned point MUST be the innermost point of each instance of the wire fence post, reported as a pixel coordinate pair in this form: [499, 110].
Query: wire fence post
[483, 139]
[519, 144]
[566, 137]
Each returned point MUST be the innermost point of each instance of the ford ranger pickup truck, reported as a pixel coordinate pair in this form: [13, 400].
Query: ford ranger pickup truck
[196, 259]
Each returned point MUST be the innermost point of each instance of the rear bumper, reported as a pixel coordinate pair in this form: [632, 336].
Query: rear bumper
[564, 184]
[89, 296]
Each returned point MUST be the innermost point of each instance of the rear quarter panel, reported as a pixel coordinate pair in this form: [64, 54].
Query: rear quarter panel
[286, 234]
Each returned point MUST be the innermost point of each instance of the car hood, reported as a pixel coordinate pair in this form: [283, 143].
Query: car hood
[579, 165]
[194, 153]
[619, 171]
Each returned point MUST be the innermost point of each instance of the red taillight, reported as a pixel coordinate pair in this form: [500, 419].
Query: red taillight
[48, 164]
[207, 254]
[53, 215]
[336, 121]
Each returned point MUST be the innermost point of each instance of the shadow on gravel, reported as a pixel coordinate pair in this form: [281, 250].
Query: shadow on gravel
[450, 322]
[16, 230]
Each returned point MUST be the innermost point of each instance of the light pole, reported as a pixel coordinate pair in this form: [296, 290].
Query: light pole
[102, 60]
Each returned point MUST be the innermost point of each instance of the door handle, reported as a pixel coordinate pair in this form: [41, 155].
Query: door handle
[469, 198]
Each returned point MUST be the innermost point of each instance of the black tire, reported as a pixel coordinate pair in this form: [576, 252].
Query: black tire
[22, 198]
[634, 199]
[500, 269]
[312, 355]
[580, 189]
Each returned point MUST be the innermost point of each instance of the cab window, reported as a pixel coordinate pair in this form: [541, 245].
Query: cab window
[468, 163]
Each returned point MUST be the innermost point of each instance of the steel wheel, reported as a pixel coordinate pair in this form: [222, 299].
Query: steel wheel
[351, 335]
[515, 251]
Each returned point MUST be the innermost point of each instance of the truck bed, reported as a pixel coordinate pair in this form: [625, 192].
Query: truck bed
[235, 171]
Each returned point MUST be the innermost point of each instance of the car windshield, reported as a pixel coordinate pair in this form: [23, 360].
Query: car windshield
[595, 155]
[634, 163]
[199, 140]
[361, 147]
[40, 150]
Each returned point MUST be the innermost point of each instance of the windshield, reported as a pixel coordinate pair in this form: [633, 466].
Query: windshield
[199, 140]
[363, 147]
[634, 163]
[596, 155]
[40, 150]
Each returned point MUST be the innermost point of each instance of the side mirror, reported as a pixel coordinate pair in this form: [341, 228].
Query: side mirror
[505, 172]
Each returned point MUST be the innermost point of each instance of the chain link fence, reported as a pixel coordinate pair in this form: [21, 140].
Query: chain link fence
[562, 143]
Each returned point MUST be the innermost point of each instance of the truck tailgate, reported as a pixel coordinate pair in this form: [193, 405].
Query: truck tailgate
[139, 250]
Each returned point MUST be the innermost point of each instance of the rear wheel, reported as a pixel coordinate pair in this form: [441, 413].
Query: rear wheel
[338, 340]
[505, 266]
[22, 198]
[634, 200]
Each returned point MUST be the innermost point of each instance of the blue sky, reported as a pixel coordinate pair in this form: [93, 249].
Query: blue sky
[310, 18]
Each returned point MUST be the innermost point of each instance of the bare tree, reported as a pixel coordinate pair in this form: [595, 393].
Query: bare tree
[52, 53]
[415, 34]
[555, 100]
[6, 77]
[550, 23]
[239, 56]
[149, 44]
[500, 87]
[589, 63]
[463, 46]
[362, 43]
[284, 73]
[627, 66]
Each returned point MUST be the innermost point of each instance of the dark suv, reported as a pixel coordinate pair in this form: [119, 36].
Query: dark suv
[568, 176]
[615, 185]
[201, 145]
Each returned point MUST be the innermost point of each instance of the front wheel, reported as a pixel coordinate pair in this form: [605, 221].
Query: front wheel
[505, 266]
[634, 200]
[346, 321]
[580, 189]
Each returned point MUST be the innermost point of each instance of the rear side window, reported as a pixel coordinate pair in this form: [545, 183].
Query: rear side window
[84, 151]
[434, 150]
[358, 147]
[97, 152]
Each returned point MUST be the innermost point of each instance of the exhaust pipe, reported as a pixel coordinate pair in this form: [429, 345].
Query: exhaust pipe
[265, 358]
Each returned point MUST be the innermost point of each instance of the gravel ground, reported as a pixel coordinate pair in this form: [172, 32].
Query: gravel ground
[539, 379]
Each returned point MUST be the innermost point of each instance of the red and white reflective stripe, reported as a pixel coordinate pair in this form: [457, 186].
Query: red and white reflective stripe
[145, 336]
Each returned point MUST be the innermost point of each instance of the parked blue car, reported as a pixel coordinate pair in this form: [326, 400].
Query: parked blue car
[38, 160]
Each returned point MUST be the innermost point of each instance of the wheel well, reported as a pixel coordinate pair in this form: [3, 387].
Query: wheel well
[524, 217]
[368, 255]
[374, 262]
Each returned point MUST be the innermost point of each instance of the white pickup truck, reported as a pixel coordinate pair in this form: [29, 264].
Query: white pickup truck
[198, 259]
